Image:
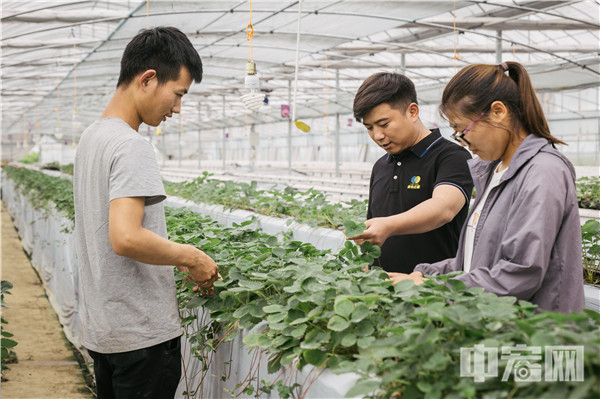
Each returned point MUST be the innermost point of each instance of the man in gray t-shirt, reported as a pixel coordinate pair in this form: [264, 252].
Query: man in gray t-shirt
[128, 308]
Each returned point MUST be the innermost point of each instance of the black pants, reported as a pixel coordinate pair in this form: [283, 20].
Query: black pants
[149, 373]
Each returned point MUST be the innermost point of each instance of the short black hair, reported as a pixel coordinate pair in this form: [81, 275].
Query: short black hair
[384, 87]
[165, 49]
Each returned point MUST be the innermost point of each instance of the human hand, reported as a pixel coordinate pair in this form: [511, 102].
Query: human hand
[209, 291]
[416, 277]
[378, 230]
[203, 270]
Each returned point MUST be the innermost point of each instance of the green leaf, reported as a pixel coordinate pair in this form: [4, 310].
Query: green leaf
[364, 328]
[252, 339]
[275, 309]
[8, 343]
[279, 252]
[262, 257]
[349, 339]
[250, 285]
[457, 285]
[315, 357]
[315, 338]
[371, 250]
[338, 323]
[298, 331]
[365, 342]
[263, 341]
[362, 388]
[343, 307]
[351, 228]
[241, 311]
[196, 302]
[437, 362]
[360, 312]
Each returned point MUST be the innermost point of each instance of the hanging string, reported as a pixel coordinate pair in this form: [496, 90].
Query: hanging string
[455, 34]
[57, 99]
[326, 94]
[297, 59]
[147, 14]
[74, 79]
[249, 34]
[24, 126]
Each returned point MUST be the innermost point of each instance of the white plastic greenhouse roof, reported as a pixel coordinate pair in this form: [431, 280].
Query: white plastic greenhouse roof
[60, 59]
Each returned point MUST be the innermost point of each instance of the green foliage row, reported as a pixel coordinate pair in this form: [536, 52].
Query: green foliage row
[590, 238]
[44, 191]
[6, 354]
[588, 192]
[323, 310]
[30, 158]
[310, 207]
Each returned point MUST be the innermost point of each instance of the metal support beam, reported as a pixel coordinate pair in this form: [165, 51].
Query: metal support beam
[289, 137]
[337, 125]
[498, 46]
[403, 63]
[224, 133]
[179, 139]
[164, 146]
[199, 136]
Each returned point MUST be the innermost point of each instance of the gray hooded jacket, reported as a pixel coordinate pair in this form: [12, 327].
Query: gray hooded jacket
[528, 238]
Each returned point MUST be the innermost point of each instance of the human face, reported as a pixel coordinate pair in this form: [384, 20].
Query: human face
[165, 100]
[460, 137]
[485, 140]
[392, 129]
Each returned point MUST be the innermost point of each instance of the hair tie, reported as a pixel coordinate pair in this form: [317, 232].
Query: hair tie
[504, 66]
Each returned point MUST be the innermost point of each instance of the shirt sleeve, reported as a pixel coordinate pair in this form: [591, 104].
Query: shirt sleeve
[453, 170]
[533, 222]
[134, 173]
[445, 266]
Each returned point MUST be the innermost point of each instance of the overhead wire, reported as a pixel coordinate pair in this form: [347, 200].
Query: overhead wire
[299, 124]
[249, 35]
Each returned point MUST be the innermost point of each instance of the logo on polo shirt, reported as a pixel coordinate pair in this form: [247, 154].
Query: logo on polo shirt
[414, 182]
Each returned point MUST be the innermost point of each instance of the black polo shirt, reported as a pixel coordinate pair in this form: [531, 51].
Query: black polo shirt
[402, 181]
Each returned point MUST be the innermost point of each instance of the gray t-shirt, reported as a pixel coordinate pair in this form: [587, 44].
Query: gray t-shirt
[124, 305]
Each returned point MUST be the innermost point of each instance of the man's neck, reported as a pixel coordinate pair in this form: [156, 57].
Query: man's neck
[422, 132]
[121, 106]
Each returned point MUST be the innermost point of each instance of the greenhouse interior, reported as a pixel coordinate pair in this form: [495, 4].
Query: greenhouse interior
[326, 233]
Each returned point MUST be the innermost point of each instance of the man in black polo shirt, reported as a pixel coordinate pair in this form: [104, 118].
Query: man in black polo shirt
[420, 190]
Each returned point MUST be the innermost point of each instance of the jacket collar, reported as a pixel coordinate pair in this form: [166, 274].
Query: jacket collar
[480, 169]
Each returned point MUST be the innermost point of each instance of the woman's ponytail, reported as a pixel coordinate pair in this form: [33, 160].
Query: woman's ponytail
[474, 88]
[531, 116]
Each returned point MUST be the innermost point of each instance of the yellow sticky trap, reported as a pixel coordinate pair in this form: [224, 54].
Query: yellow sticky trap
[302, 126]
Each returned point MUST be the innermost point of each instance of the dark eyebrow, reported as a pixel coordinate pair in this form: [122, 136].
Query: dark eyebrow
[378, 120]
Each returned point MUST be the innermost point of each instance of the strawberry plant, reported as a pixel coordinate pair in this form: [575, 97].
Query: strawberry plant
[322, 309]
[588, 192]
[310, 307]
[590, 234]
[44, 191]
[7, 355]
[309, 207]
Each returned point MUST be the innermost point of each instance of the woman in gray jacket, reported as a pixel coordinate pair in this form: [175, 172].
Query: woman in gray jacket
[522, 236]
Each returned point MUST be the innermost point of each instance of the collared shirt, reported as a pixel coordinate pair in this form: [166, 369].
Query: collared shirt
[401, 181]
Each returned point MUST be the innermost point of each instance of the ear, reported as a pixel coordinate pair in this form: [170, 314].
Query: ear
[412, 112]
[146, 78]
[498, 112]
